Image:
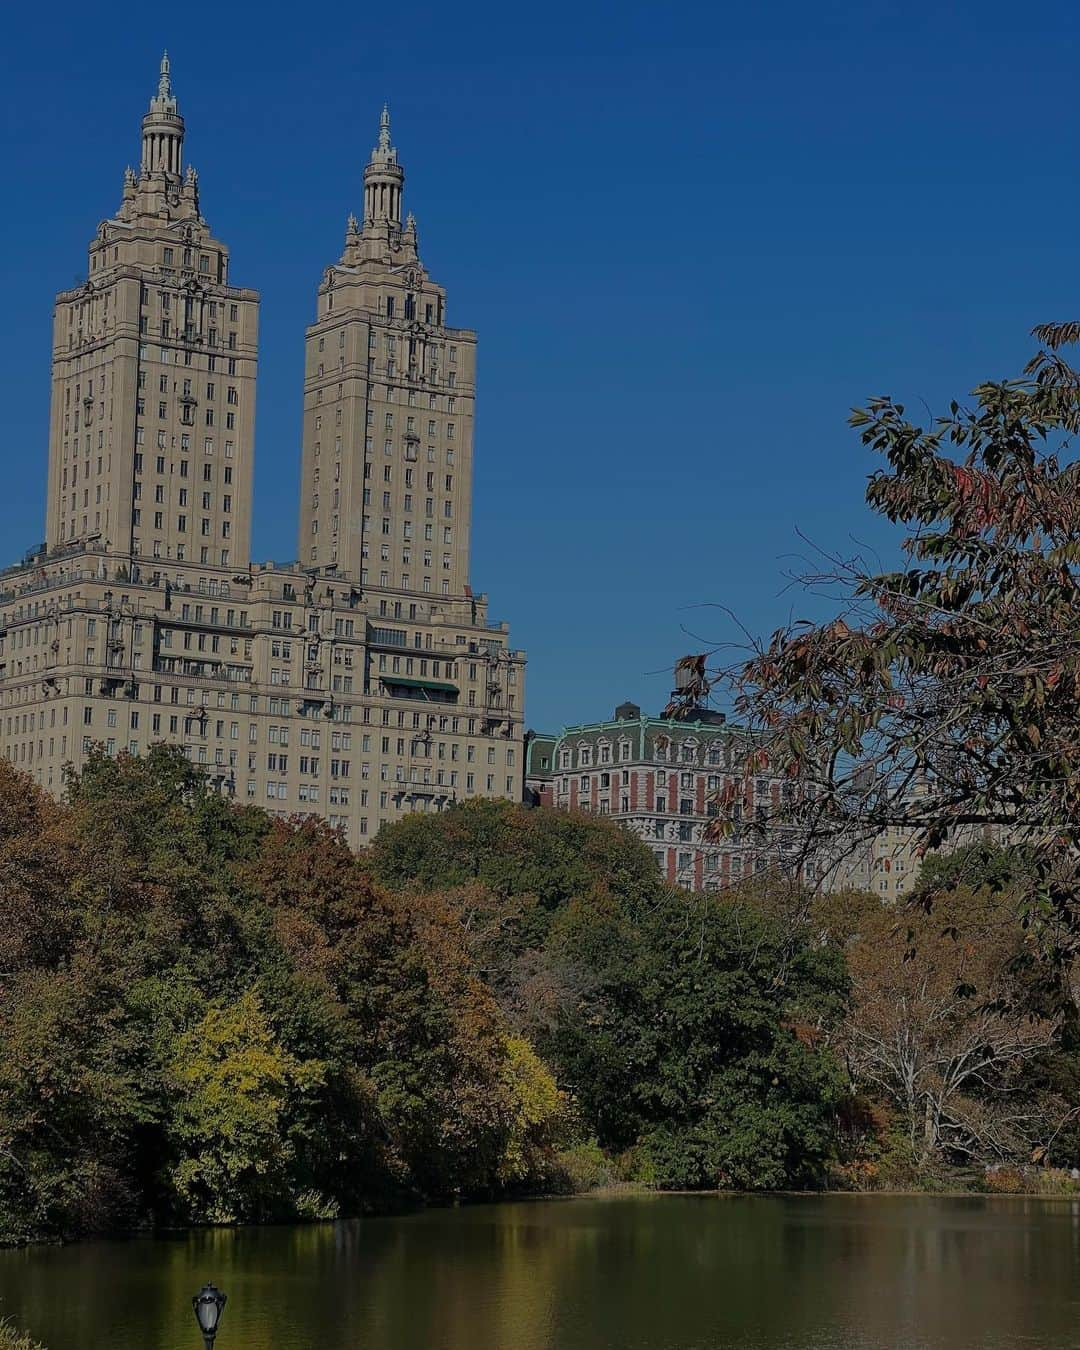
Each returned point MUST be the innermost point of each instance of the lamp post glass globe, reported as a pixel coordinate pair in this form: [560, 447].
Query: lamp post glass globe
[209, 1304]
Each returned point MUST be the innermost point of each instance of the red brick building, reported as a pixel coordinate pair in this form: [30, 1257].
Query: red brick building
[665, 780]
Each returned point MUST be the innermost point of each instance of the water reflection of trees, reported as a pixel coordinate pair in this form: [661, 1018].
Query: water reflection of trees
[689, 1273]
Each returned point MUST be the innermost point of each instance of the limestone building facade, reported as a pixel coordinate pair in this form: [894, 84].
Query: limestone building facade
[888, 862]
[360, 682]
[388, 408]
[152, 423]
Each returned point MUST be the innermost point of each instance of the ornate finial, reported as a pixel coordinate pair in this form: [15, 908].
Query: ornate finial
[164, 87]
[351, 225]
[192, 176]
[384, 128]
[410, 221]
[129, 176]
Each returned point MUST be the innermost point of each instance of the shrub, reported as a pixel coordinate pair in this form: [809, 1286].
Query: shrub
[584, 1166]
[1003, 1181]
[12, 1339]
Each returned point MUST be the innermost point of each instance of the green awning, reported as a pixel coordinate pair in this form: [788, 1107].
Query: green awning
[407, 680]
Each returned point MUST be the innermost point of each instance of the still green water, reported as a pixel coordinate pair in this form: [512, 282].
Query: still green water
[627, 1273]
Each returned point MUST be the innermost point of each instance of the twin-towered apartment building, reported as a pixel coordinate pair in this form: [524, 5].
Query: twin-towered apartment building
[363, 680]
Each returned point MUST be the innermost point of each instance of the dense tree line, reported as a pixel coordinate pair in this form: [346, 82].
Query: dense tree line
[672, 1021]
[210, 1015]
[768, 1036]
[960, 1039]
[207, 1015]
[943, 701]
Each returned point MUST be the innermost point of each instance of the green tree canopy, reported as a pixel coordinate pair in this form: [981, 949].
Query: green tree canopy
[511, 850]
[698, 1042]
[205, 1013]
[669, 1020]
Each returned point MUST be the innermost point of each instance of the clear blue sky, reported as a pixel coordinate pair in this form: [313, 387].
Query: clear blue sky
[690, 236]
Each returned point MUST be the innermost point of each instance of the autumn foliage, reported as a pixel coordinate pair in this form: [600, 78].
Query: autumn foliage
[209, 1015]
[944, 698]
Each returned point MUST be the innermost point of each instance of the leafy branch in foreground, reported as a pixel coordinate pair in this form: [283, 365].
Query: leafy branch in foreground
[945, 698]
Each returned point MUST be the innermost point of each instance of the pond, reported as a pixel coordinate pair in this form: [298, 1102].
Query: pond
[613, 1273]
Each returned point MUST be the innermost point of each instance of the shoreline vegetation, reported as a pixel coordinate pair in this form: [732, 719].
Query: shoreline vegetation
[210, 1016]
[629, 1190]
[1054, 1184]
[13, 1339]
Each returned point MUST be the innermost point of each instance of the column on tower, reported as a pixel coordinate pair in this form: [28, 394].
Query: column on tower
[163, 128]
[384, 179]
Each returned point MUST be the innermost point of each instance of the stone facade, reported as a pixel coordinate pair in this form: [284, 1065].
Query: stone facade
[152, 423]
[348, 684]
[388, 408]
[887, 863]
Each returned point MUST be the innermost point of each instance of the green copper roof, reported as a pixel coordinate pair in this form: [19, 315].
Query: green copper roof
[672, 725]
[541, 745]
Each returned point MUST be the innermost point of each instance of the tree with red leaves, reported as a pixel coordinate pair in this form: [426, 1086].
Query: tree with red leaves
[945, 697]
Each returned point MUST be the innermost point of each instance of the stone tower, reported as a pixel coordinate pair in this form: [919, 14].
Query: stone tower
[386, 478]
[361, 684]
[153, 376]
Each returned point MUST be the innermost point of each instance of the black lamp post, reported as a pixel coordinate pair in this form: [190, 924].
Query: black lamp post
[209, 1304]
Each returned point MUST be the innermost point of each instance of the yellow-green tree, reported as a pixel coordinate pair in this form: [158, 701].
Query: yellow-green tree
[234, 1092]
[538, 1116]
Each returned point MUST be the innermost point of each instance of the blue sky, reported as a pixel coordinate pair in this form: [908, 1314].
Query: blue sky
[691, 236]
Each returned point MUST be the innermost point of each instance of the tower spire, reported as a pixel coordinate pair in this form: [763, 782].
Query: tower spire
[163, 127]
[384, 181]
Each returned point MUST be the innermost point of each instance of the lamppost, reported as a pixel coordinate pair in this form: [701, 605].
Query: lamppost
[209, 1304]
